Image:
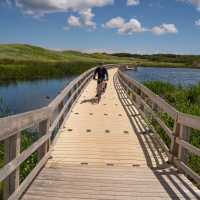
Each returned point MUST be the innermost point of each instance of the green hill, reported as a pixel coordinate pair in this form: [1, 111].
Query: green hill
[27, 52]
[20, 52]
[27, 62]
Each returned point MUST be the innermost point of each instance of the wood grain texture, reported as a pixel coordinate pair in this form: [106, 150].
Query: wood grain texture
[101, 155]
[150, 106]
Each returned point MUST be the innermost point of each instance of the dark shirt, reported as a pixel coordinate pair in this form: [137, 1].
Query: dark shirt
[101, 73]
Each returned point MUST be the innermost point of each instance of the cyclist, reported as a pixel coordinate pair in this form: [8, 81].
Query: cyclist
[102, 76]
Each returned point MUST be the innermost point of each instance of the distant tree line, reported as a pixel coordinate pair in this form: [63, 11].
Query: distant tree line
[172, 58]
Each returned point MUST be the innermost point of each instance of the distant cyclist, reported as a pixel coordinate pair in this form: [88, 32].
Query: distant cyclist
[102, 76]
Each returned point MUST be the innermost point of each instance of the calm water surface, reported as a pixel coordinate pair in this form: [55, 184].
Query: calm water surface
[180, 76]
[29, 95]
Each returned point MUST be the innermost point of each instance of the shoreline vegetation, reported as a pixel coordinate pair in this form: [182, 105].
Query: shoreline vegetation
[186, 100]
[26, 63]
[21, 62]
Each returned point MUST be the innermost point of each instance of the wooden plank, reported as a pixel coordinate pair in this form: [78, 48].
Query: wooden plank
[187, 170]
[86, 75]
[55, 123]
[161, 123]
[154, 98]
[98, 156]
[182, 119]
[20, 122]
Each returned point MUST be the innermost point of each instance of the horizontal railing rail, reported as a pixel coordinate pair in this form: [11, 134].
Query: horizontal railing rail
[48, 121]
[12, 124]
[155, 109]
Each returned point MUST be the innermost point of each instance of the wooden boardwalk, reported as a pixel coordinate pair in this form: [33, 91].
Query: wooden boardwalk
[106, 151]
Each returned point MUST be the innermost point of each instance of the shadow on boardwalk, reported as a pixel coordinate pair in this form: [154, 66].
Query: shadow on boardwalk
[92, 101]
[175, 183]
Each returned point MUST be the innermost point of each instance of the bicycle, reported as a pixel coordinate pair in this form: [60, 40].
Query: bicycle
[101, 88]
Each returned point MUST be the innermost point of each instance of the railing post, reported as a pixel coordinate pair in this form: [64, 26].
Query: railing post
[184, 135]
[60, 107]
[43, 129]
[155, 107]
[139, 91]
[12, 150]
[174, 147]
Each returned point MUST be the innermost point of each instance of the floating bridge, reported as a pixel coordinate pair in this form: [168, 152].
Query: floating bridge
[111, 150]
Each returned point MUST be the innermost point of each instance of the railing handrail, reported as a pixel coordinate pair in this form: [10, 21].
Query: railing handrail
[12, 124]
[11, 127]
[23, 120]
[179, 135]
[10, 133]
[56, 101]
[159, 100]
[189, 120]
[63, 93]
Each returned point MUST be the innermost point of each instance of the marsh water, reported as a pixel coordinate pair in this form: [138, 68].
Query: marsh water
[25, 96]
[176, 76]
[29, 95]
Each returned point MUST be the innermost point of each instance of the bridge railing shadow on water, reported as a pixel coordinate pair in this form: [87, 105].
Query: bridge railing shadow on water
[154, 132]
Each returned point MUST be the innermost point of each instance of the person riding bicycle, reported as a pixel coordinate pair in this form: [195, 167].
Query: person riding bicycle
[102, 75]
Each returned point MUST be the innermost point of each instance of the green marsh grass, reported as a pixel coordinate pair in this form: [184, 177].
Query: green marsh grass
[186, 100]
[26, 62]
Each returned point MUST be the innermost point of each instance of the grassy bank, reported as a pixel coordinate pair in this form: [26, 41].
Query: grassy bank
[41, 70]
[26, 62]
[184, 99]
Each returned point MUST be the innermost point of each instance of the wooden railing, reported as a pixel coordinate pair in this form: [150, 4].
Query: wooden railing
[154, 109]
[48, 120]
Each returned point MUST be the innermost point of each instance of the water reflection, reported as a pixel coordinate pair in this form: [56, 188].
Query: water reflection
[25, 96]
[177, 76]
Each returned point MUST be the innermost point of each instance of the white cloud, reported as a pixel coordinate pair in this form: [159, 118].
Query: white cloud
[134, 26]
[196, 3]
[116, 22]
[83, 8]
[84, 20]
[41, 7]
[129, 28]
[74, 21]
[164, 29]
[133, 2]
[86, 17]
[197, 23]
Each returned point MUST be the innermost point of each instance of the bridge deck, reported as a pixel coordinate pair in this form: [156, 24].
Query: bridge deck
[102, 153]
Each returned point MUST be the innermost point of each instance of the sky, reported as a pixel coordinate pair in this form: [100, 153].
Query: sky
[134, 26]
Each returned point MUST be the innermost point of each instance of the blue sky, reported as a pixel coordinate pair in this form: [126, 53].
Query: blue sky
[136, 26]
